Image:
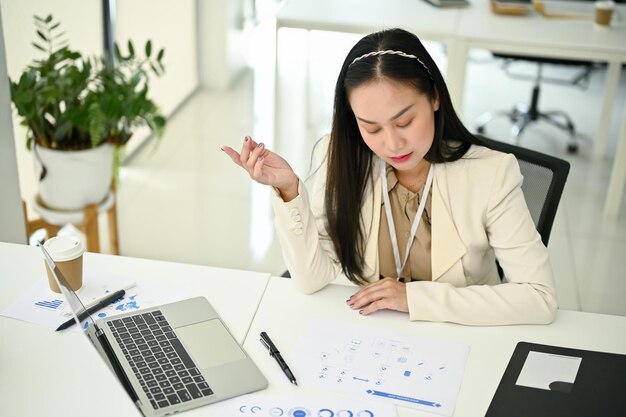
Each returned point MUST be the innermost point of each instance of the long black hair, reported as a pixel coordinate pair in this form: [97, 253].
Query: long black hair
[350, 160]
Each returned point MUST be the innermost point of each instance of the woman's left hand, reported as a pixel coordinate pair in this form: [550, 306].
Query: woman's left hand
[386, 294]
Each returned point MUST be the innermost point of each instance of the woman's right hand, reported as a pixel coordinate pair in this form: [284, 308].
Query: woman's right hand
[265, 167]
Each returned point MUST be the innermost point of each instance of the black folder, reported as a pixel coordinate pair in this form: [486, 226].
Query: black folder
[599, 389]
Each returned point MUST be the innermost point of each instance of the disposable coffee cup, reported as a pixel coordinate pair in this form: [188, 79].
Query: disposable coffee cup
[67, 254]
[604, 12]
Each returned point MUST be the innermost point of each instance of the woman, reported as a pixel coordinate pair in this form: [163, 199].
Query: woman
[397, 153]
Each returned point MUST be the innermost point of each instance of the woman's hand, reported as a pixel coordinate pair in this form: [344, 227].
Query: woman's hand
[386, 294]
[265, 167]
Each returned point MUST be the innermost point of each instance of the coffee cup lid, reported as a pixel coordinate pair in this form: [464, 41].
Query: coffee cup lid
[64, 248]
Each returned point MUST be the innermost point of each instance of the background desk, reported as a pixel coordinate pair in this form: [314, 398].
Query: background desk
[536, 35]
[284, 313]
[47, 373]
[476, 27]
[348, 16]
[365, 16]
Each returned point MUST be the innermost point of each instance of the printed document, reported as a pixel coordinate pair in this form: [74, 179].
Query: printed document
[403, 369]
[42, 306]
[298, 405]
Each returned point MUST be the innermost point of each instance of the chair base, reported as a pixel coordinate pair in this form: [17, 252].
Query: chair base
[523, 115]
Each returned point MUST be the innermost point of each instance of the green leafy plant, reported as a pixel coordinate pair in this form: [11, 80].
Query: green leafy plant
[69, 102]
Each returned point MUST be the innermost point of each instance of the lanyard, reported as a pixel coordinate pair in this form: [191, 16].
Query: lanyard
[414, 224]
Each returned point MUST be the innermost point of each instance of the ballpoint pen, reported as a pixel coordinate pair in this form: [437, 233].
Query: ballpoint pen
[267, 342]
[97, 306]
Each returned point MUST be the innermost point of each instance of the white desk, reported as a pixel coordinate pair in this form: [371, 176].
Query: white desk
[365, 16]
[476, 27]
[73, 379]
[283, 314]
[64, 367]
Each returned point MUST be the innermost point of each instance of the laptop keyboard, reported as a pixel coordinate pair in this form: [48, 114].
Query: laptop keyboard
[165, 370]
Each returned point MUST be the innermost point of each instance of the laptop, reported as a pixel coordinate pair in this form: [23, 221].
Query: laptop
[169, 358]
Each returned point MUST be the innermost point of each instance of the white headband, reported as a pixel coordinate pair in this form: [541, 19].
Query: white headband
[391, 52]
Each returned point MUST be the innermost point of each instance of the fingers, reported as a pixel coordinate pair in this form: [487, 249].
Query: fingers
[258, 167]
[370, 293]
[233, 154]
[387, 293]
[253, 157]
[375, 306]
[246, 150]
[251, 153]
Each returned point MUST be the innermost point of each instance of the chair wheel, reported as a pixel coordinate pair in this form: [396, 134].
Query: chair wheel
[572, 148]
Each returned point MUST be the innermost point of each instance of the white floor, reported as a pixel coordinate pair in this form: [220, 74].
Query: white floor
[185, 201]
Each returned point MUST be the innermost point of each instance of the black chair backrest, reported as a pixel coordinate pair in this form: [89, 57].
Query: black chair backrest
[544, 180]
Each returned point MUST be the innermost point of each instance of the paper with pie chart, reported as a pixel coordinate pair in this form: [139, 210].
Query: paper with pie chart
[406, 370]
[267, 405]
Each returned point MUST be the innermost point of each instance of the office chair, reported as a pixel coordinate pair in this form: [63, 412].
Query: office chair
[544, 181]
[524, 114]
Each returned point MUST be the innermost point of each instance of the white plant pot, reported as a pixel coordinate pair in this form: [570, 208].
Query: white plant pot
[74, 179]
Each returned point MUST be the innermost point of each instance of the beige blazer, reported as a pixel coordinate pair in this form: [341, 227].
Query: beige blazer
[478, 214]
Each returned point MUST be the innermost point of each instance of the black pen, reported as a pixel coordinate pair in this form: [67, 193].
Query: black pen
[97, 306]
[267, 342]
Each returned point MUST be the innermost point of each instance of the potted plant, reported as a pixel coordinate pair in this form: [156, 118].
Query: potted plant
[80, 112]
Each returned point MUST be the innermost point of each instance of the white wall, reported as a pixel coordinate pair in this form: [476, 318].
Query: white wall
[12, 227]
[221, 42]
[204, 37]
[170, 25]
[82, 22]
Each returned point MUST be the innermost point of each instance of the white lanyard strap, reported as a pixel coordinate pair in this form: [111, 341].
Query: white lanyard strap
[414, 224]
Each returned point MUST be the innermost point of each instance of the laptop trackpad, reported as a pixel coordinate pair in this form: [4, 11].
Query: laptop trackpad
[210, 344]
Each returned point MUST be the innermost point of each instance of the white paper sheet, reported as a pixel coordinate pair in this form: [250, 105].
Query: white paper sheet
[262, 405]
[549, 371]
[41, 305]
[403, 369]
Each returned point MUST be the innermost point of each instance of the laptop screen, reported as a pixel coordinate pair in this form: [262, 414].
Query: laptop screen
[88, 326]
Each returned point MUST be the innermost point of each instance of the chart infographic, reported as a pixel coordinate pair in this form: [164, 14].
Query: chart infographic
[403, 369]
[270, 405]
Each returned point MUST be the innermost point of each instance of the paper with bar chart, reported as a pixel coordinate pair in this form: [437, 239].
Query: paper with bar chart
[407, 370]
[42, 306]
